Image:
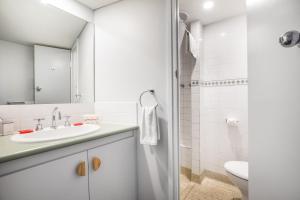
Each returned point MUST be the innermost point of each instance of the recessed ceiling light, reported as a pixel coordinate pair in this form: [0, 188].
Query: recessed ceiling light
[207, 5]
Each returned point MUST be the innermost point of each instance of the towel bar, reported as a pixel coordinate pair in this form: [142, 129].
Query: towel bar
[152, 93]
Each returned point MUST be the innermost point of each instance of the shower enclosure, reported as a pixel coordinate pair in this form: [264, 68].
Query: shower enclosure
[213, 93]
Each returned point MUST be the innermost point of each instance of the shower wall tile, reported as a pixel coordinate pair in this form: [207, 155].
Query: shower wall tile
[186, 157]
[225, 49]
[187, 69]
[197, 30]
[190, 102]
[225, 57]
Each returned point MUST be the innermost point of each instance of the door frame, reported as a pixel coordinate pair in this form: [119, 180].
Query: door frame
[173, 94]
[74, 68]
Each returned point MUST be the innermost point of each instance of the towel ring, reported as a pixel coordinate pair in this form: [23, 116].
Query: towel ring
[152, 93]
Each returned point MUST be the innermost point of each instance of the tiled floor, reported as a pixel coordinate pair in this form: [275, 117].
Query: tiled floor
[209, 189]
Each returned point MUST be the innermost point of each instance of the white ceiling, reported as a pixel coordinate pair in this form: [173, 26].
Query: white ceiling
[222, 9]
[31, 22]
[95, 4]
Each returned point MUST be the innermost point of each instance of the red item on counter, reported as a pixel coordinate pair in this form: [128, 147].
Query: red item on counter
[25, 131]
[78, 124]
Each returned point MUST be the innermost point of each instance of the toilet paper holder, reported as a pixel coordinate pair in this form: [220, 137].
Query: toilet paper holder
[232, 122]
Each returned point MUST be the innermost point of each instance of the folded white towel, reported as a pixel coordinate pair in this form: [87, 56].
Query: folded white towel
[149, 128]
[193, 46]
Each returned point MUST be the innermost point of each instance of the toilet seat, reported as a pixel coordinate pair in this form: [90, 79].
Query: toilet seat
[237, 168]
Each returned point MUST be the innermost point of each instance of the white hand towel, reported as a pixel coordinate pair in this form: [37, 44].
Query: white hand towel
[149, 129]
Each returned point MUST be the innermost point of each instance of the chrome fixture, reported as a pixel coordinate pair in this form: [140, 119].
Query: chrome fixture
[55, 110]
[67, 121]
[38, 88]
[183, 16]
[152, 93]
[290, 39]
[39, 125]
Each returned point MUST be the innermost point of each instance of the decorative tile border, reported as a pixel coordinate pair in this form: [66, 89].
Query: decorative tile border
[227, 82]
[219, 83]
[195, 83]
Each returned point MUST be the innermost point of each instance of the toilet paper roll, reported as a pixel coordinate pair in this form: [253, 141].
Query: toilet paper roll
[232, 122]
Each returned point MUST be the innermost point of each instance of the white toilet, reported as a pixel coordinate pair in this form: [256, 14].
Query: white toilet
[237, 171]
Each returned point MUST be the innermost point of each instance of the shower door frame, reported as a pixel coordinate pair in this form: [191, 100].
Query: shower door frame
[173, 94]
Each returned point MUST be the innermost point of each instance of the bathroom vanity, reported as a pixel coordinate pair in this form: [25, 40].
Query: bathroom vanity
[99, 165]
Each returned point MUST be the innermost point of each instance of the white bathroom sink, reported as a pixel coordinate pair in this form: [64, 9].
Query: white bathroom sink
[49, 134]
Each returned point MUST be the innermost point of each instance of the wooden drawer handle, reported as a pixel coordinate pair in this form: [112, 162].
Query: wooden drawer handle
[80, 170]
[96, 163]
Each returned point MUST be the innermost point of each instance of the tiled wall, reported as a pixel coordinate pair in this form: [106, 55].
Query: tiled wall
[189, 102]
[187, 64]
[23, 115]
[196, 129]
[225, 60]
[197, 31]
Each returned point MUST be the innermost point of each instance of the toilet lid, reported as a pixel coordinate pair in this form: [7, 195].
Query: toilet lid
[237, 168]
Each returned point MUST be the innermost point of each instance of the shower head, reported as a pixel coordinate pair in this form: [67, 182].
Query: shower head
[183, 16]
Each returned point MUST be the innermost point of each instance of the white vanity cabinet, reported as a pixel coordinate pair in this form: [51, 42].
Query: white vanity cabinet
[105, 170]
[52, 180]
[115, 179]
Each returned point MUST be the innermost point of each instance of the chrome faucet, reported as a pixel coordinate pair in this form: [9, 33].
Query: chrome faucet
[55, 110]
[39, 125]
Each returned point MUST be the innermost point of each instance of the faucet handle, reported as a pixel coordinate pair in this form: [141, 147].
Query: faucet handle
[39, 125]
[67, 120]
[39, 119]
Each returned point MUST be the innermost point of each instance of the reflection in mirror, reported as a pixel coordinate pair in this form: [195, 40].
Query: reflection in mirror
[46, 55]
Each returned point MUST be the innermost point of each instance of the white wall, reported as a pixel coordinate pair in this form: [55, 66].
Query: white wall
[132, 55]
[225, 57]
[121, 112]
[86, 64]
[274, 97]
[16, 72]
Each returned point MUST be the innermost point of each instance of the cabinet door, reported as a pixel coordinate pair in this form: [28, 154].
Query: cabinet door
[116, 177]
[55, 180]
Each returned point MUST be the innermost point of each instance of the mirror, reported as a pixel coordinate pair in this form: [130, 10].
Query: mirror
[46, 55]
